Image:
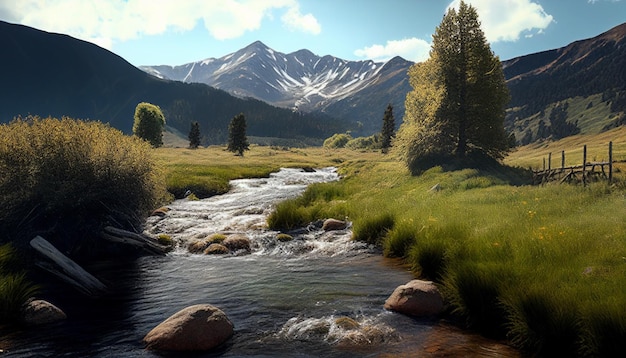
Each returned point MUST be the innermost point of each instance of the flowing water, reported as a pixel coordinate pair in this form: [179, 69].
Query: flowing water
[320, 295]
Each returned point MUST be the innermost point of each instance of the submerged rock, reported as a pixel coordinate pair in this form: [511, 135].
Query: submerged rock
[416, 298]
[36, 312]
[284, 237]
[346, 323]
[195, 328]
[198, 246]
[237, 242]
[216, 249]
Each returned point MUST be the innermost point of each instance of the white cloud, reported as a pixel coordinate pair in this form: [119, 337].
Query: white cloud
[296, 21]
[412, 49]
[507, 20]
[105, 22]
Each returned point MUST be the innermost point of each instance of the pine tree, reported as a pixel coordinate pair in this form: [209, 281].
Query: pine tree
[459, 96]
[237, 140]
[194, 135]
[387, 132]
[149, 123]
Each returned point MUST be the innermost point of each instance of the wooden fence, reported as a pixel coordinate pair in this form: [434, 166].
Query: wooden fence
[583, 173]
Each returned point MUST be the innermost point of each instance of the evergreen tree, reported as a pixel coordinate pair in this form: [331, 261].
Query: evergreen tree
[459, 96]
[237, 140]
[149, 123]
[194, 135]
[388, 130]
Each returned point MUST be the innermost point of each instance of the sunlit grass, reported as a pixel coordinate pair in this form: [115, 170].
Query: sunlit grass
[539, 265]
[207, 171]
[505, 255]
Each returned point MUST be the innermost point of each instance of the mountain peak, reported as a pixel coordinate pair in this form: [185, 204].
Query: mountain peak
[256, 46]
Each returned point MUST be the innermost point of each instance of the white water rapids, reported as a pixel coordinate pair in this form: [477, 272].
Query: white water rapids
[245, 208]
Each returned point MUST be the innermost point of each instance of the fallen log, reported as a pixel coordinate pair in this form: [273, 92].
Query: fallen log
[70, 271]
[148, 244]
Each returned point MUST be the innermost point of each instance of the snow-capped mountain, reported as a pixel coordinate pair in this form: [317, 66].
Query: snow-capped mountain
[300, 80]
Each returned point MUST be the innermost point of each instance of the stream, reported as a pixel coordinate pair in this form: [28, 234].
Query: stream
[285, 299]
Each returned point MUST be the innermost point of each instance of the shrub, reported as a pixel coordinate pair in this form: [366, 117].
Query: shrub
[370, 143]
[149, 123]
[338, 140]
[68, 178]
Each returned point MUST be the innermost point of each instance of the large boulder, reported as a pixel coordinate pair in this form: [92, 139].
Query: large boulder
[216, 249]
[36, 312]
[416, 298]
[334, 224]
[195, 328]
[198, 246]
[237, 242]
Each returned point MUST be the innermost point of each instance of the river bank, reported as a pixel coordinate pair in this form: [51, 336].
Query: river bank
[284, 298]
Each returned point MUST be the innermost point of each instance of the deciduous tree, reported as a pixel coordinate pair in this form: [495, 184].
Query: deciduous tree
[149, 123]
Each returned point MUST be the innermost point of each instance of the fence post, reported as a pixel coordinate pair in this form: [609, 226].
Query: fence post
[562, 160]
[549, 162]
[584, 164]
[610, 162]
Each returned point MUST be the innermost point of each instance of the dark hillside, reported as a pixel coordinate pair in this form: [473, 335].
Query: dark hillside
[51, 74]
[368, 106]
[583, 68]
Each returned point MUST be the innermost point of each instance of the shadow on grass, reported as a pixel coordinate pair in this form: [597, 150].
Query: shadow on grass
[485, 164]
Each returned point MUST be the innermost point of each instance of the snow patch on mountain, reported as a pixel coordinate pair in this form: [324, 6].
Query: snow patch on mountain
[300, 80]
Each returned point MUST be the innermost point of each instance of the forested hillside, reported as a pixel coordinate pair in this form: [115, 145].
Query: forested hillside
[57, 75]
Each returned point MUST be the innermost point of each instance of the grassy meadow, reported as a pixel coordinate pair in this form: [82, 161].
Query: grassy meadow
[543, 266]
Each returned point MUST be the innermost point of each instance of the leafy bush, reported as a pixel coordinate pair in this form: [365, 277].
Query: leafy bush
[338, 140]
[371, 143]
[66, 179]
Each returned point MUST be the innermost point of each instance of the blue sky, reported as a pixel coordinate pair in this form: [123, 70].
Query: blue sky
[174, 32]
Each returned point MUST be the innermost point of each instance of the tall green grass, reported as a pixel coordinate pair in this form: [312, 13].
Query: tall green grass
[15, 288]
[544, 267]
[537, 265]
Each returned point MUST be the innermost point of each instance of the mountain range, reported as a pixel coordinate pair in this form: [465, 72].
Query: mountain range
[303, 82]
[580, 88]
[49, 74]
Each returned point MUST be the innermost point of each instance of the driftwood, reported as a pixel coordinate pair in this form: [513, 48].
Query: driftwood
[70, 271]
[148, 244]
